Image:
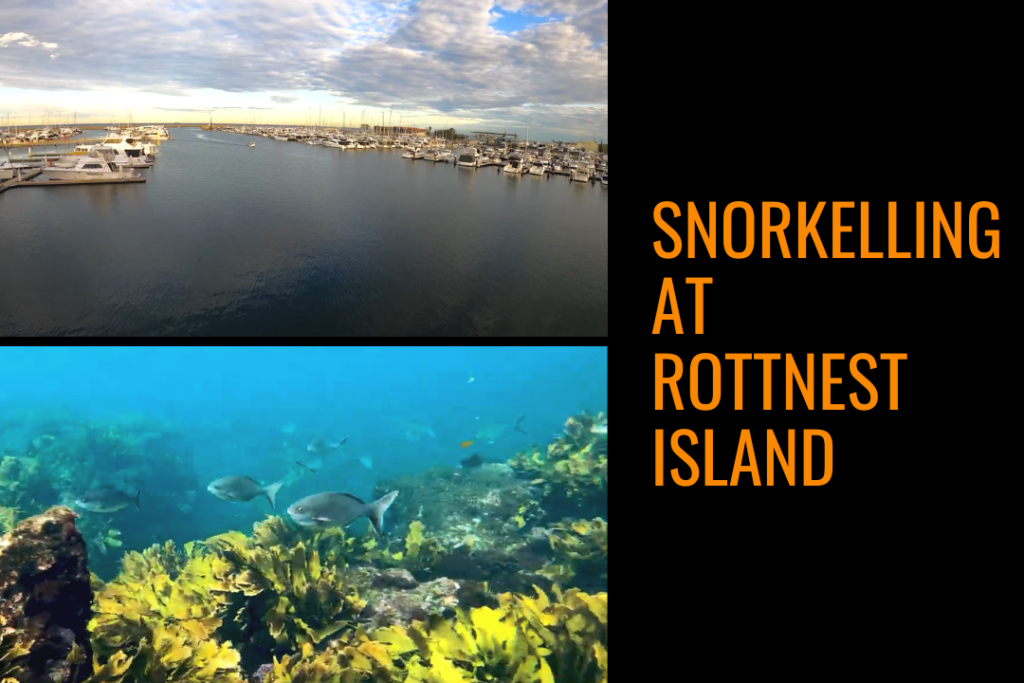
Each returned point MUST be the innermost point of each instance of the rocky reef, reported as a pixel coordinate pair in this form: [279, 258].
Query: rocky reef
[45, 599]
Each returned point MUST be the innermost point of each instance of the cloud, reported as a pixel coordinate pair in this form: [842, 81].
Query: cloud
[429, 58]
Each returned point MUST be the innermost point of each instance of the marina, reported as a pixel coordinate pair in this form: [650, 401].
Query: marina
[219, 237]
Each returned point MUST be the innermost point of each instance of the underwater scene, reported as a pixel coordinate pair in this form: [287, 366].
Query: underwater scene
[303, 514]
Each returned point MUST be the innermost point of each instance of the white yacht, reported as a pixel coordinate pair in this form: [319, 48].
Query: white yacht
[581, 173]
[418, 154]
[604, 180]
[468, 157]
[408, 154]
[9, 170]
[252, 144]
[537, 168]
[129, 146]
[92, 165]
[120, 158]
[282, 138]
[514, 165]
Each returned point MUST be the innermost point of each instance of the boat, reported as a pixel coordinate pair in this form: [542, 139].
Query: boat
[581, 173]
[418, 154]
[120, 158]
[468, 157]
[128, 146]
[252, 144]
[282, 138]
[514, 165]
[9, 170]
[537, 168]
[604, 180]
[92, 165]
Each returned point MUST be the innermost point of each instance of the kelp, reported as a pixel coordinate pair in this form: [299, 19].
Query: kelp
[573, 467]
[523, 639]
[148, 626]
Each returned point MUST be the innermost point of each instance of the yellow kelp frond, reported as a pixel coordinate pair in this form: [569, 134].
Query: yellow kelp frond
[573, 466]
[525, 639]
[414, 539]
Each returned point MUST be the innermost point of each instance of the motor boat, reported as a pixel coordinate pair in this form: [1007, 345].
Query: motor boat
[468, 157]
[604, 180]
[581, 173]
[92, 166]
[252, 144]
[9, 170]
[121, 158]
[514, 165]
[537, 168]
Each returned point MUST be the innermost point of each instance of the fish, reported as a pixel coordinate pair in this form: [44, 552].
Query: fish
[466, 444]
[244, 489]
[288, 428]
[335, 508]
[471, 378]
[321, 447]
[414, 431]
[317, 464]
[599, 429]
[107, 498]
[475, 460]
[491, 432]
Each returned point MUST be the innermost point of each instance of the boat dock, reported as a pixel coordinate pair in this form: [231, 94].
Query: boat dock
[28, 175]
[14, 182]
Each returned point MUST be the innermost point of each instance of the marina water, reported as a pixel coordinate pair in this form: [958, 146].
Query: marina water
[289, 239]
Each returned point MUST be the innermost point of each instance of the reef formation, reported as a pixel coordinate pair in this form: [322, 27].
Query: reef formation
[45, 598]
[492, 573]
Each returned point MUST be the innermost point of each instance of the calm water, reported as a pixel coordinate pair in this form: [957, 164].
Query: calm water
[289, 239]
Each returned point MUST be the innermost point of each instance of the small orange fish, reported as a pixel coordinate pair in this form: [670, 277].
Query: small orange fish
[466, 444]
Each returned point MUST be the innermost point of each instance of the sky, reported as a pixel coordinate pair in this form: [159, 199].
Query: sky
[475, 65]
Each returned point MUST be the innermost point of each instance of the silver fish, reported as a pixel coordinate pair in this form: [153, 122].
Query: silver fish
[107, 499]
[244, 489]
[414, 431]
[321, 447]
[492, 432]
[334, 508]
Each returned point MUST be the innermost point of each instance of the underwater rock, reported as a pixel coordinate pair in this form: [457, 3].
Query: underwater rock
[395, 578]
[390, 603]
[45, 600]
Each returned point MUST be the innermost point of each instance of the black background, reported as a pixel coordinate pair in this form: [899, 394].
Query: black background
[913, 537]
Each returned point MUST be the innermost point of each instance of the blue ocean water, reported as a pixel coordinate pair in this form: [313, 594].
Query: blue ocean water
[253, 411]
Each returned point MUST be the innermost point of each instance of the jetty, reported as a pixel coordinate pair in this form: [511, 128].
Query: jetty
[26, 181]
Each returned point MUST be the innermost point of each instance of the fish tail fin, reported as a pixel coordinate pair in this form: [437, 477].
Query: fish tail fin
[518, 422]
[366, 461]
[375, 511]
[271, 491]
[138, 494]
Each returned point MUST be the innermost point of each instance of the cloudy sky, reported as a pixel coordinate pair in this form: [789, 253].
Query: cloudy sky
[473, 64]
